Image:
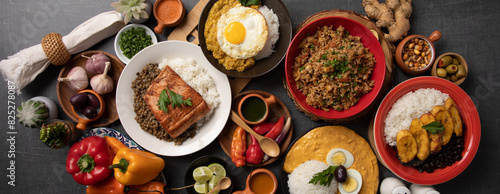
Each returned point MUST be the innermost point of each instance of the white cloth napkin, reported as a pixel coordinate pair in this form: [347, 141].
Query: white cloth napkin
[23, 67]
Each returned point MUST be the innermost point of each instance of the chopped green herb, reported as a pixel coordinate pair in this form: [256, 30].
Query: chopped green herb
[324, 57]
[249, 2]
[134, 40]
[302, 68]
[342, 47]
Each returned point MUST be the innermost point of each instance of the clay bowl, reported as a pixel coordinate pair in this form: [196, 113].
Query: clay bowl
[64, 92]
[164, 8]
[435, 36]
[251, 179]
[461, 60]
[366, 101]
[83, 121]
[275, 111]
[205, 161]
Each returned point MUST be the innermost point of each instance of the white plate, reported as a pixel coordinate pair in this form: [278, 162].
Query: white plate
[124, 99]
[118, 50]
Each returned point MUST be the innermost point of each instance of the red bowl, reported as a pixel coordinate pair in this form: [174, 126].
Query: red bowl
[470, 119]
[369, 41]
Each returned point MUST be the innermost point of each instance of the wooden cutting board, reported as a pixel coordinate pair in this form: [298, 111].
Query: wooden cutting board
[189, 28]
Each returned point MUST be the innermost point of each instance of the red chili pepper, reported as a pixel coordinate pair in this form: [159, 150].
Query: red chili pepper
[254, 153]
[238, 147]
[263, 128]
[277, 128]
[88, 160]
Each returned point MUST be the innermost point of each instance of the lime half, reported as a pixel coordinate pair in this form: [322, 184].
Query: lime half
[202, 174]
[201, 187]
[218, 170]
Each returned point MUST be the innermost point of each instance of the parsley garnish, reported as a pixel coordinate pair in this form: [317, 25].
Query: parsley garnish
[249, 2]
[325, 177]
[434, 127]
[172, 99]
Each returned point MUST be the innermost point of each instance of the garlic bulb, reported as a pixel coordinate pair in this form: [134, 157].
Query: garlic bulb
[96, 63]
[77, 78]
[102, 83]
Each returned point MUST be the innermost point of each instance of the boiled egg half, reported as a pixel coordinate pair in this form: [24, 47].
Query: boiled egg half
[242, 32]
[339, 156]
[352, 184]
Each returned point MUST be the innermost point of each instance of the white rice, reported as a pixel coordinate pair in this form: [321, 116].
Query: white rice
[410, 106]
[273, 25]
[197, 78]
[298, 180]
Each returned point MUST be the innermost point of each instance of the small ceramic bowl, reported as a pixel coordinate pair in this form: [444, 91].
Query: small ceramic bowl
[84, 121]
[256, 181]
[245, 104]
[118, 50]
[461, 61]
[435, 36]
[205, 161]
[168, 13]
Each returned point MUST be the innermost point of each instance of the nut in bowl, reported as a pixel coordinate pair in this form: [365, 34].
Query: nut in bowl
[415, 53]
[450, 66]
[471, 131]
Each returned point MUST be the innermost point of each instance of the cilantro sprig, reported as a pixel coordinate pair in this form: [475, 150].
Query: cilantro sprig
[325, 177]
[249, 2]
[434, 127]
[172, 99]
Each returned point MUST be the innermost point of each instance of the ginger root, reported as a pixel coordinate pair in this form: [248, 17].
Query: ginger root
[392, 15]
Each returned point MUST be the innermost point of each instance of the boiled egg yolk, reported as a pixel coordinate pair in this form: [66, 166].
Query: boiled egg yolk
[338, 158]
[350, 184]
[235, 33]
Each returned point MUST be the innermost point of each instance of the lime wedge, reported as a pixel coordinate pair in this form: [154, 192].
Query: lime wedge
[218, 170]
[201, 187]
[212, 183]
[202, 174]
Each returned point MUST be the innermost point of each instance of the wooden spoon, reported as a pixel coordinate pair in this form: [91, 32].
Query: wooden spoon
[223, 184]
[269, 146]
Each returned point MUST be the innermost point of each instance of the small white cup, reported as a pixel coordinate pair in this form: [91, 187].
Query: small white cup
[391, 185]
[422, 189]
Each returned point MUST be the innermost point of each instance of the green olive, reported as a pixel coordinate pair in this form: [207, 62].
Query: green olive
[455, 61]
[447, 60]
[441, 72]
[453, 78]
[451, 69]
[461, 71]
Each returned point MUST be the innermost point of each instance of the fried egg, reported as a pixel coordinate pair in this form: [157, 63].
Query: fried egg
[242, 32]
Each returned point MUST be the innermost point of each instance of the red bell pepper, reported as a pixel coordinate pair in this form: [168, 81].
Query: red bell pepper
[88, 160]
[254, 153]
[263, 128]
[277, 128]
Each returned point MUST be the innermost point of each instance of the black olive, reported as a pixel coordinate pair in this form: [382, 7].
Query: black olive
[340, 174]
[93, 100]
[79, 100]
[90, 112]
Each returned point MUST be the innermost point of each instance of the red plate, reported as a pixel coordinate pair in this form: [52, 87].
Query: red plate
[368, 40]
[470, 119]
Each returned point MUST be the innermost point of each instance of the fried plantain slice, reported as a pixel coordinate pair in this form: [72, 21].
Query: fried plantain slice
[406, 146]
[443, 116]
[455, 114]
[420, 134]
[435, 139]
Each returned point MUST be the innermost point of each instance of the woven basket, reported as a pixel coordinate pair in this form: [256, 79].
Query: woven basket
[55, 49]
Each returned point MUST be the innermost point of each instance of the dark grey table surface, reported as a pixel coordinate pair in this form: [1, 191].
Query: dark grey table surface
[469, 28]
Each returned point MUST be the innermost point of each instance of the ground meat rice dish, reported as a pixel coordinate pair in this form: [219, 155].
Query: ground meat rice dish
[144, 116]
[333, 69]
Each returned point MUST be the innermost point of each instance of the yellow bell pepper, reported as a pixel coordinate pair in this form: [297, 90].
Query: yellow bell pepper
[136, 167]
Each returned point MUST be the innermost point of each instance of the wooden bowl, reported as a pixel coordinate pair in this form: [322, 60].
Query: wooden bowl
[461, 60]
[64, 92]
[435, 36]
[275, 111]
